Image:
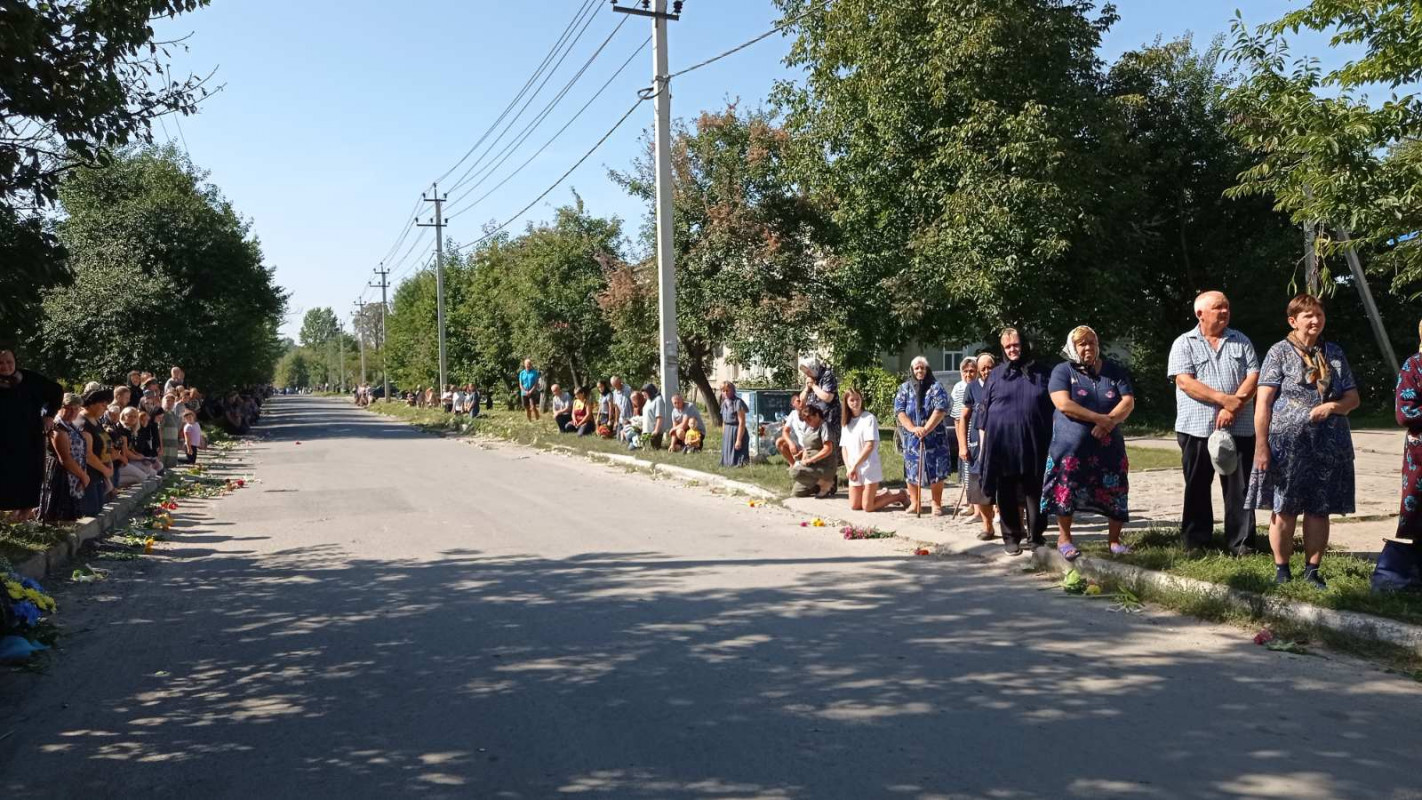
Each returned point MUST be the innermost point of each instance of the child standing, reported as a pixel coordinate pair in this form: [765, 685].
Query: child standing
[192, 436]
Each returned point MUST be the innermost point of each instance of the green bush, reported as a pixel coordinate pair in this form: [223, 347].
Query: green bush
[879, 387]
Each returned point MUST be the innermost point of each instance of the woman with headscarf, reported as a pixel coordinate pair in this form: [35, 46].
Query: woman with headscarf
[822, 389]
[1400, 563]
[1086, 462]
[1303, 446]
[1016, 412]
[921, 407]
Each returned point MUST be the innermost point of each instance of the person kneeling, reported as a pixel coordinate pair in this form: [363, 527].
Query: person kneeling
[791, 432]
[814, 469]
[860, 442]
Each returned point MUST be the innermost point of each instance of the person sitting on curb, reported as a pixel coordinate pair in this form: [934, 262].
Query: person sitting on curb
[562, 407]
[813, 472]
[654, 418]
[685, 420]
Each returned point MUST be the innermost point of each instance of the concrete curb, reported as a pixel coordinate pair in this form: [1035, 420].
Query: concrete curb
[671, 470]
[111, 518]
[961, 540]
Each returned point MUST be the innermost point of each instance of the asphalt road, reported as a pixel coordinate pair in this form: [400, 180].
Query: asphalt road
[389, 614]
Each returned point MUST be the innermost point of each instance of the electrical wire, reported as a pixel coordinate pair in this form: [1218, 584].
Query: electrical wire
[514, 119]
[490, 234]
[533, 125]
[531, 78]
[551, 139]
[743, 45]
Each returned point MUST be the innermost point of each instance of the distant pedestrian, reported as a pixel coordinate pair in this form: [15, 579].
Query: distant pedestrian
[970, 427]
[1017, 429]
[735, 435]
[528, 389]
[1087, 469]
[1303, 452]
[655, 419]
[1216, 374]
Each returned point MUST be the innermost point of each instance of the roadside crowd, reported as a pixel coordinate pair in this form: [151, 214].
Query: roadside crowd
[63, 455]
[1028, 443]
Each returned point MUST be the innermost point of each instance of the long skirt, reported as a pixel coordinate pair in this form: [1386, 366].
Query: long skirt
[732, 456]
[57, 503]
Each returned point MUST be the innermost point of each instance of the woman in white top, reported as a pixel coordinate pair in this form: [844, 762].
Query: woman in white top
[859, 441]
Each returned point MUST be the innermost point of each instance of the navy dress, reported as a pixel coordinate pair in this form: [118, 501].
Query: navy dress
[732, 456]
[1310, 463]
[1017, 423]
[1085, 473]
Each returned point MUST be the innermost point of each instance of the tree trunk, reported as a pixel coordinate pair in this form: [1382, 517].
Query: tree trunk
[696, 368]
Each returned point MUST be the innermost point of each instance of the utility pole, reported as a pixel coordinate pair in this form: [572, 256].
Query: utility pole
[1366, 294]
[438, 225]
[360, 334]
[384, 304]
[341, 344]
[666, 263]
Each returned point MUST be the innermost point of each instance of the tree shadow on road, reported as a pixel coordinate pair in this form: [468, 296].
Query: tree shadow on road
[646, 675]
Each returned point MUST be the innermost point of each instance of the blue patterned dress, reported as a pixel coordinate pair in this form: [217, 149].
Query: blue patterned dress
[937, 464]
[1310, 464]
[1085, 473]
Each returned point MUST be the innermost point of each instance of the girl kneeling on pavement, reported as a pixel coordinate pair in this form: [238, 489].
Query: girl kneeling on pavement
[859, 440]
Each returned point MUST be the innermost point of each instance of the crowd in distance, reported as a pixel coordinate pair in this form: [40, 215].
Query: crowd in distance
[63, 455]
[1027, 443]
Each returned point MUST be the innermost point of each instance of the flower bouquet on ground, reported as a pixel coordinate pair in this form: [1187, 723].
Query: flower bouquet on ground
[865, 532]
[24, 606]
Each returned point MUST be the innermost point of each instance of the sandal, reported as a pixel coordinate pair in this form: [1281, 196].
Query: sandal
[939, 512]
[986, 536]
[1119, 549]
[1068, 551]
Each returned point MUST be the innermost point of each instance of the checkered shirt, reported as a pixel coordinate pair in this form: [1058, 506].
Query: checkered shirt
[1222, 370]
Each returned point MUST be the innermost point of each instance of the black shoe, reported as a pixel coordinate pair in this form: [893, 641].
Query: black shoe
[1243, 551]
[986, 536]
[1013, 546]
[1311, 577]
[1039, 542]
[1282, 574]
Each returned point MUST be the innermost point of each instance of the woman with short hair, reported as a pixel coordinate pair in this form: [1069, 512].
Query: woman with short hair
[735, 439]
[65, 476]
[1303, 451]
[1087, 469]
[813, 472]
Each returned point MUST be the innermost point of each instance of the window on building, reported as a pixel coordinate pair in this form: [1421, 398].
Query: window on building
[952, 358]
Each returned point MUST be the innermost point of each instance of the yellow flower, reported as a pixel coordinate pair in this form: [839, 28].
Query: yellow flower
[15, 590]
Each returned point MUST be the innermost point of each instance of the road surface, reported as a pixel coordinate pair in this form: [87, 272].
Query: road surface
[390, 614]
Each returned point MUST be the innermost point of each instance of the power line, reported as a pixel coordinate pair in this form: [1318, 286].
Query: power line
[743, 45]
[561, 178]
[640, 48]
[531, 78]
[547, 77]
[528, 130]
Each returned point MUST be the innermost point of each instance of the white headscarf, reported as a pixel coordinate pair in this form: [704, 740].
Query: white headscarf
[1069, 351]
[812, 363]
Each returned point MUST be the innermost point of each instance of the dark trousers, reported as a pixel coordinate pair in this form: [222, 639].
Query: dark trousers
[1197, 519]
[952, 445]
[1013, 493]
[563, 420]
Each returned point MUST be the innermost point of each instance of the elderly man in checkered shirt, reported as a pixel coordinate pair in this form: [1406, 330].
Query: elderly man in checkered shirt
[1216, 373]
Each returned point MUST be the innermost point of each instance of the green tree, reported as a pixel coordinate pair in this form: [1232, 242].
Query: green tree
[1325, 152]
[318, 327]
[747, 260]
[412, 348]
[960, 150]
[165, 273]
[80, 79]
[293, 369]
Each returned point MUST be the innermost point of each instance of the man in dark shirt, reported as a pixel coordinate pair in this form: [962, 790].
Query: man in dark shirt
[135, 388]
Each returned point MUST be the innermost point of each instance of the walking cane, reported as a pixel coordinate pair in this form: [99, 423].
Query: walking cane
[918, 512]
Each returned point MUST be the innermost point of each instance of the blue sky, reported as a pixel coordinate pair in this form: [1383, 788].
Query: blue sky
[335, 116]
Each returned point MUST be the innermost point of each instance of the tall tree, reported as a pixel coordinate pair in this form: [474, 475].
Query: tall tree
[318, 327]
[166, 273]
[959, 147]
[748, 264]
[1327, 154]
[78, 80]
